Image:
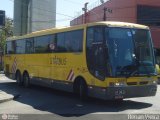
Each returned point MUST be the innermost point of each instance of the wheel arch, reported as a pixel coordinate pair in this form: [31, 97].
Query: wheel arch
[25, 72]
[17, 71]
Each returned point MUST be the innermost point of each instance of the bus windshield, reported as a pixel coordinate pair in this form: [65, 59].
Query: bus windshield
[130, 51]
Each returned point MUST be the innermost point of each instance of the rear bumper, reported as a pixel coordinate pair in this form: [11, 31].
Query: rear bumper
[112, 93]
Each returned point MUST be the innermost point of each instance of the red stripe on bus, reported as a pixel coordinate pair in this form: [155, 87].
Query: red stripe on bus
[69, 74]
[72, 77]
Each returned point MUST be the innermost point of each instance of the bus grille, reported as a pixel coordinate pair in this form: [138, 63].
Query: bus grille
[143, 83]
[132, 83]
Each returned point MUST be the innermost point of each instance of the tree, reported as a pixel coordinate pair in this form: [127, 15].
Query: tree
[6, 31]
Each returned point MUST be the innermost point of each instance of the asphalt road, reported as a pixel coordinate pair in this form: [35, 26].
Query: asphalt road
[42, 103]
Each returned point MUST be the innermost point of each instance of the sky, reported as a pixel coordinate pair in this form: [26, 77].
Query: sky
[69, 8]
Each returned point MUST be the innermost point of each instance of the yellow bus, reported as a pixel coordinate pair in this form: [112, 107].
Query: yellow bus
[106, 60]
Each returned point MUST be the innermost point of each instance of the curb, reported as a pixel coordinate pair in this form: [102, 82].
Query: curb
[6, 100]
[4, 97]
[1, 72]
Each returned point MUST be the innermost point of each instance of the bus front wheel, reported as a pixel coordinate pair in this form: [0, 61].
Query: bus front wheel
[80, 88]
[83, 90]
[26, 80]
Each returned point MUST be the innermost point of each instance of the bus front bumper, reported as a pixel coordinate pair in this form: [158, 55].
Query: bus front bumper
[112, 93]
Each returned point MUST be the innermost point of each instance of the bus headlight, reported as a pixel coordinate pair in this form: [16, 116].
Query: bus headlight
[120, 84]
[154, 82]
[117, 84]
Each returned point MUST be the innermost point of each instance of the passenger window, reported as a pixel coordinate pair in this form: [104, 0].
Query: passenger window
[61, 42]
[70, 41]
[78, 41]
[42, 44]
[20, 46]
[30, 45]
[10, 47]
[73, 41]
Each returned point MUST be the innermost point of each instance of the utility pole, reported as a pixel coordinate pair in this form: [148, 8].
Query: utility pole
[85, 12]
[105, 9]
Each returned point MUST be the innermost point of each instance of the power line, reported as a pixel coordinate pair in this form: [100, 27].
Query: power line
[59, 20]
[73, 2]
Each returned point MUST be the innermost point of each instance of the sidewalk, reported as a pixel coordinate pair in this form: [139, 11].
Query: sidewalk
[4, 97]
[2, 77]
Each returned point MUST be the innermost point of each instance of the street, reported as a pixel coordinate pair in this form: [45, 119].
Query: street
[47, 103]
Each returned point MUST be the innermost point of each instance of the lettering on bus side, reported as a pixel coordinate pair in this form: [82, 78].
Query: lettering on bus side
[59, 61]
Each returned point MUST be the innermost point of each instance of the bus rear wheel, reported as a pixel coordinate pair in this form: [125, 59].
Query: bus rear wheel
[26, 80]
[19, 79]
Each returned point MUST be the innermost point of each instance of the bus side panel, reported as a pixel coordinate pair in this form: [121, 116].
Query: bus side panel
[65, 66]
[19, 63]
[31, 65]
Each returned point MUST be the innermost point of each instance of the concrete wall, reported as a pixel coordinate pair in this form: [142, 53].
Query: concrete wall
[42, 14]
[33, 15]
[17, 17]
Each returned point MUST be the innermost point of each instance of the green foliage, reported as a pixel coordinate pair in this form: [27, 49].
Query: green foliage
[6, 31]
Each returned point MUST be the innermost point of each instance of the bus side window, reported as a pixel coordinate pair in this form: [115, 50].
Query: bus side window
[52, 46]
[42, 44]
[20, 46]
[10, 47]
[30, 45]
[61, 42]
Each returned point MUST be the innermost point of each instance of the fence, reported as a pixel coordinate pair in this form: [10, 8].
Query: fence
[90, 7]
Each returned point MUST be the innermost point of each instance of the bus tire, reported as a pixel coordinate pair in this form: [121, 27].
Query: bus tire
[19, 78]
[26, 80]
[81, 89]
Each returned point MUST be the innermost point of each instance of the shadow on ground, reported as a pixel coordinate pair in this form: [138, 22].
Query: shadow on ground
[66, 104]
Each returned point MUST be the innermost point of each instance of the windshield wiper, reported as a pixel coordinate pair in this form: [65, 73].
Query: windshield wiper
[146, 69]
[128, 70]
[133, 72]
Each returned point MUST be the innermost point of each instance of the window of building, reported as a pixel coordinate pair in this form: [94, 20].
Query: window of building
[148, 15]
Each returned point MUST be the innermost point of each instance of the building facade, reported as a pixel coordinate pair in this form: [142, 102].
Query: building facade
[33, 15]
[145, 12]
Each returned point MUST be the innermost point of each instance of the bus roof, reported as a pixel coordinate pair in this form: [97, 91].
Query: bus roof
[63, 29]
[119, 24]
